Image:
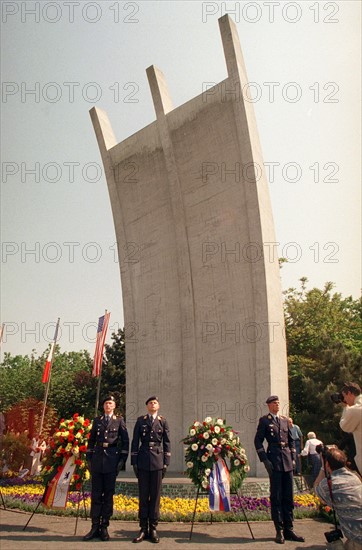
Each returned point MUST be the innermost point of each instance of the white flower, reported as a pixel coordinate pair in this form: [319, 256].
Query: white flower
[214, 441]
[236, 462]
[223, 441]
[194, 446]
[206, 435]
[230, 454]
[209, 447]
[208, 419]
[217, 429]
[247, 468]
[190, 464]
[197, 423]
[204, 458]
[242, 450]
[207, 471]
[220, 421]
[192, 431]
[231, 435]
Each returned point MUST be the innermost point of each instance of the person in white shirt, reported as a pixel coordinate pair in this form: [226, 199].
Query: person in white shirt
[310, 451]
[351, 419]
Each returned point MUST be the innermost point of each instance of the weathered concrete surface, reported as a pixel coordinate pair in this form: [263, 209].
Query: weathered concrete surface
[52, 533]
[199, 270]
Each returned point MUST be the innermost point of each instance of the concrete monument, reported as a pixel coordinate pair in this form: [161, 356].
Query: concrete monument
[200, 275]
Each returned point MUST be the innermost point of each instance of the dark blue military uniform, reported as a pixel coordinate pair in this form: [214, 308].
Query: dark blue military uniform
[108, 445]
[150, 452]
[280, 453]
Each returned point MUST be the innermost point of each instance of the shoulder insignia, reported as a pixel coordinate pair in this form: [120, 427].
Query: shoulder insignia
[269, 416]
[145, 417]
[159, 418]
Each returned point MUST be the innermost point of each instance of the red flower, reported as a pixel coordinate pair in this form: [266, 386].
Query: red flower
[76, 476]
[80, 431]
[88, 435]
[78, 486]
[78, 461]
[61, 439]
[70, 424]
[60, 468]
[86, 422]
[75, 416]
[83, 448]
[200, 436]
[212, 428]
[222, 429]
[71, 437]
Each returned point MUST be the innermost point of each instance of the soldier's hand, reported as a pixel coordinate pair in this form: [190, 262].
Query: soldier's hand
[164, 470]
[268, 466]
[294, 464]
[135, 469]
[121, 463]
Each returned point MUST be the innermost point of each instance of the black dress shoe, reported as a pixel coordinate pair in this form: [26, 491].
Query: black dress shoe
[279, 538]
[93, 533]
[103, 533]
[290, 535]
[154, 536]
[142, 535]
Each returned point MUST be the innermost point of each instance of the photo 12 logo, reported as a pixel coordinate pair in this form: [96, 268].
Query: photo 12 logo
[70, 12]
[272, 11]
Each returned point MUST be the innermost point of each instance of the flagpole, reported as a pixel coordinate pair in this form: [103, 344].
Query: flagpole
[48, 382]
[99, 380]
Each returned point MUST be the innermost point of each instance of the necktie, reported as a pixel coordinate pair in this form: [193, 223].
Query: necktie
[107, 418]
[151, 419]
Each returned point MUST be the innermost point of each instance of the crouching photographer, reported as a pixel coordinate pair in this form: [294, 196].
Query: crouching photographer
[341, 489]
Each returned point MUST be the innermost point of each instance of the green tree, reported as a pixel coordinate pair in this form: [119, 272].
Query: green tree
[114, 370]
[324, 343]
[72, 388]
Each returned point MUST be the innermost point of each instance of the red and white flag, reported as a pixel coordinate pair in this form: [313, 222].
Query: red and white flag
[46, 372]
[101, 336]
[49, 361]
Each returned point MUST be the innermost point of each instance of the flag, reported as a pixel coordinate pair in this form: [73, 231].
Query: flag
[56, 493]
[46, 372]
[219, 494]
[1, 332]
[101, 336]
[49, 361]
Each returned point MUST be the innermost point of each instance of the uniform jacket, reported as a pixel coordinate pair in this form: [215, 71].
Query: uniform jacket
[107, 444]
[281, 450]
[151, 447]
[351, 421]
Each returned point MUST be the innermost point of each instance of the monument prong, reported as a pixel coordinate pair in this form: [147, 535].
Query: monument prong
[160, 94]
[232, 49]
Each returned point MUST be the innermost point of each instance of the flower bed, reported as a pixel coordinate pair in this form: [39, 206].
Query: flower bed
[27, 495]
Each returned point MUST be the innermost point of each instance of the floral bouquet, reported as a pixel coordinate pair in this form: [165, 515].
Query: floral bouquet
[206, 442]
[71, 438]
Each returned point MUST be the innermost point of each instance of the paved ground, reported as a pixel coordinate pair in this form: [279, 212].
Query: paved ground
[54, 533]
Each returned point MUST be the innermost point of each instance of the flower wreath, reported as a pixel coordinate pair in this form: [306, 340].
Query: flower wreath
[208, 440]
[71, 438]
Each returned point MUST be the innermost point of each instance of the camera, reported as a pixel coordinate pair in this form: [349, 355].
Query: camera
[332, 536]
[322, 449]
[337, 397]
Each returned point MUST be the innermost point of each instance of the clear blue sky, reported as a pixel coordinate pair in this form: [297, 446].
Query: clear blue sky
[58, 60]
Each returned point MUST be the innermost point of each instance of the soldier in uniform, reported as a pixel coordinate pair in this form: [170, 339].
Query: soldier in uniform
[150, 456]
[107, 452]
[278, 460]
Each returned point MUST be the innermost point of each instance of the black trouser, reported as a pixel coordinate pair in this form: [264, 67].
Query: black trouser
[281, 499]
[149, 487]
[103, 487]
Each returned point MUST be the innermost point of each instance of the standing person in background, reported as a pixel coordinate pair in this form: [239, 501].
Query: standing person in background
[297, 437]
[107, 452]
[310, 451]
[150, 461]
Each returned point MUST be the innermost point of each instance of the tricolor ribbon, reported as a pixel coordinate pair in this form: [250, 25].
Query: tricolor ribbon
[219, 494]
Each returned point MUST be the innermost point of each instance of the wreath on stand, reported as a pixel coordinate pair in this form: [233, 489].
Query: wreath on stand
[71, 438]
[205, 443]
